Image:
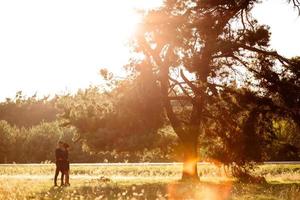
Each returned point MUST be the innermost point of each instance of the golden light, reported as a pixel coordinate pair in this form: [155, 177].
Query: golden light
[55, 46]
[200, 191]
[219, 189]
[59, 46]
[189, 166]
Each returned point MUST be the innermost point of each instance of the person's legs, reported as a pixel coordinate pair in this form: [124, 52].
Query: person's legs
[55, 176]
[67, 182]
[62, 179]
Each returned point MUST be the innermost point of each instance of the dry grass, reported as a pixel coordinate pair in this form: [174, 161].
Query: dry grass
[147, 182]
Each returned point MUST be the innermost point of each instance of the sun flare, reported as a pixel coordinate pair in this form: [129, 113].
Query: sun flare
[56, 46]
[50, 47]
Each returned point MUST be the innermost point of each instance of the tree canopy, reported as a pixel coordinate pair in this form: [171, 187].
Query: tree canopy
[205, 68]
[25, 111]
[215, 60]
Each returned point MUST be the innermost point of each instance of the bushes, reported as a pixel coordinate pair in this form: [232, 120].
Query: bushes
[120, 128]
[37, 144]
[31, 145]
[27, 112]
[5, 142]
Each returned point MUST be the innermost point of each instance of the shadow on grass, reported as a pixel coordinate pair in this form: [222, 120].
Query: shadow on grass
[175, 190]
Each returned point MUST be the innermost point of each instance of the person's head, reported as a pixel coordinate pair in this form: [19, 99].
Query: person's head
[66, 146]
[61, 144]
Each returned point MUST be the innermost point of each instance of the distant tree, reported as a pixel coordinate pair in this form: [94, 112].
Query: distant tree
[37, 143]
[217, 78]
[27, 111]
[5, 142]
[124, 120]
[41, 141]
[287, 143]
[33, 129]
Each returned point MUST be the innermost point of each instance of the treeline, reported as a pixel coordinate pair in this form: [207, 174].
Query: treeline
[24, 111]
[37, 144]
[30, 129]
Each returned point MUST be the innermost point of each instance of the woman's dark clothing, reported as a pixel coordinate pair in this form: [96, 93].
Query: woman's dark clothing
[59, 165]
[59, 157]
[65, 164]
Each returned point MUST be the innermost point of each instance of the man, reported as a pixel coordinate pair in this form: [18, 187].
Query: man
[59, 161]
[66, 164]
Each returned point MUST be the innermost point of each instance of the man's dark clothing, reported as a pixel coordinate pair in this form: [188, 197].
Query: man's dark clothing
[59, 160]
[65, 163]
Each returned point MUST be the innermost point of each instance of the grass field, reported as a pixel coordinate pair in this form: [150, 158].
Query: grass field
[146, 182]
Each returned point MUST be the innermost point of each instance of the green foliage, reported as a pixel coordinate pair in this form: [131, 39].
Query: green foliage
[124, 119]
[287, 143]
[41, 141]
[242, 134]
[260, 36]
[5, 141]
[22, 111]
[27, 139]
[35, 144]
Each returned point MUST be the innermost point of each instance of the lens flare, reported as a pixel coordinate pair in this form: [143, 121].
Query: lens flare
[219, 189]
[189, 167]
[200, 191]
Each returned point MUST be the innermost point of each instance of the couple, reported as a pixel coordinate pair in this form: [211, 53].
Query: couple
[62, 163]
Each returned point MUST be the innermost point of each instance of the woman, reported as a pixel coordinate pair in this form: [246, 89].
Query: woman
[66, 164]
[59, 160]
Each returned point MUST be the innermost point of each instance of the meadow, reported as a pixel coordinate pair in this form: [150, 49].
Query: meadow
[146, 181]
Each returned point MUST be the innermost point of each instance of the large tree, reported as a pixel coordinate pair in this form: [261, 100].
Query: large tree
[217, 77]
[209, 67]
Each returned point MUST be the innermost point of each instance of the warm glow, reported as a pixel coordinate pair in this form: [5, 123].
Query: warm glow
[189, 166]
[60, 45]
[200, 191]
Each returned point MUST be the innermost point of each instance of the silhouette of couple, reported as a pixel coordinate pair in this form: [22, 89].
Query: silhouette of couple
[62, 163]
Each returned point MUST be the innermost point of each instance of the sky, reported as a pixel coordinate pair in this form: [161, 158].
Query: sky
[58, 46]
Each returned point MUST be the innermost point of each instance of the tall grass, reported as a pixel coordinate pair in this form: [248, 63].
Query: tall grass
[146, 182]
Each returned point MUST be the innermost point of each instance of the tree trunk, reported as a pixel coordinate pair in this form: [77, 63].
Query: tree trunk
[190, 172]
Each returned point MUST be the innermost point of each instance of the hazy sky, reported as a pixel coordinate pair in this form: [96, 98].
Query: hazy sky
[60, 45]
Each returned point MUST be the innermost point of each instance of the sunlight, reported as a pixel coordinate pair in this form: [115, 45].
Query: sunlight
[59, 46]
[189, 166]
[200, 191]
[149, 99]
